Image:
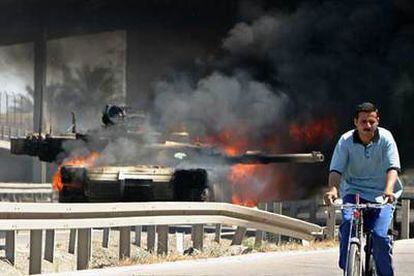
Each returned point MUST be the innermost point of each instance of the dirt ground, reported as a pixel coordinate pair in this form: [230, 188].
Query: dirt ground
[107, 257]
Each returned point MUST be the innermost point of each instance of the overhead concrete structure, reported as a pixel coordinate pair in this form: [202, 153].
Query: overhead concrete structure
[190, 28]
[160, 34]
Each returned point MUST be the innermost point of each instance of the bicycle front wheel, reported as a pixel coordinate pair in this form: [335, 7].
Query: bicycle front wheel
[354, 261]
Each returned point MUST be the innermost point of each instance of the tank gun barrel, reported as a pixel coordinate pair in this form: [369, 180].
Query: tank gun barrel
[253, 158]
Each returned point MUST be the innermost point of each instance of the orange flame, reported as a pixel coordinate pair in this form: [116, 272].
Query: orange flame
[231, 141]
[256, 183]
[238, 201]
[81, 161]
[252, 184]
[314, 132]
[247, 180]
[240, 175]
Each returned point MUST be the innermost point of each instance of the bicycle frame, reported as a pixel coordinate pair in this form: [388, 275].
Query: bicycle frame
[358, 236]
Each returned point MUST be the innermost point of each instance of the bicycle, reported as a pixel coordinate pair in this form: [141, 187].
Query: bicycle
[360, 238]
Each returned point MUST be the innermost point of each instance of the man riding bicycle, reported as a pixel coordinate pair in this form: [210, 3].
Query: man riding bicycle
[366, 161]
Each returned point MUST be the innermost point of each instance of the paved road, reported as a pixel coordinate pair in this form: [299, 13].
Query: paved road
[318, 263]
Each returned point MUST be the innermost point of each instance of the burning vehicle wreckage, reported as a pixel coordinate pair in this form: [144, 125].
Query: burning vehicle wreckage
[163, 171]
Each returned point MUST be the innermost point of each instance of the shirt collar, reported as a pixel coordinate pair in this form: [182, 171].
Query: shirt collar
[357, 139]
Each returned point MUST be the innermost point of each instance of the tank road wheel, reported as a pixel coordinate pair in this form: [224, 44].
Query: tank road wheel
[72, 195]
[191, 185]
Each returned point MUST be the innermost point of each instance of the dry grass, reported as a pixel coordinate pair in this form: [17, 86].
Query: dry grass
[212, 250]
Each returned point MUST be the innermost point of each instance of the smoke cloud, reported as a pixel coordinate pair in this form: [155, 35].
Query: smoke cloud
[322, 53]
[84, 83]
[217, 103]
[325, 56]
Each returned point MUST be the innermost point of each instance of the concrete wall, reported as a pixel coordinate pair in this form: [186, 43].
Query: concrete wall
[15, 168]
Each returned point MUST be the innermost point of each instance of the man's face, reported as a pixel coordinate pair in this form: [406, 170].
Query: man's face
[367, 123]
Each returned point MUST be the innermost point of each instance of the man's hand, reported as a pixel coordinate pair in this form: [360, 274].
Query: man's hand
[330, 196]
[389, 197]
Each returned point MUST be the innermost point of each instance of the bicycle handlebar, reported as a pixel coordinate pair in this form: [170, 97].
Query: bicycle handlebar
[360, 205]
[380, 202]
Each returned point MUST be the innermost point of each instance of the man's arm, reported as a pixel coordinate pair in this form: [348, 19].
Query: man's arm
[333, 182]
[338, 165]
[390, 180]
[393, 165]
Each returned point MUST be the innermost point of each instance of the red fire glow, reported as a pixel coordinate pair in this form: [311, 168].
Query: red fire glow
[313, 132]
[248, 181]
[259, 183]
[84, 161]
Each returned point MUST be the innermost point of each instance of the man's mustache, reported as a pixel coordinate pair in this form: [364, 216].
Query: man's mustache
[369, 129]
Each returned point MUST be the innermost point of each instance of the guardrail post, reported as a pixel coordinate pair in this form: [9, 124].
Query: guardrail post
[278, 209]
[217, 236]
[313, 209]
[90, 243]
[105, 237]
[124, 242]
[260, 234]
[151, 238]
[138, 231]
[293, 212]
[238, 236]
[198, 230]
[84, 248]
[72, 241]
[179, 242]
[35, 262]
[49, 245]
[405, 219]
[10, 246]
[330, 222]
[192, 233]
[162, 245]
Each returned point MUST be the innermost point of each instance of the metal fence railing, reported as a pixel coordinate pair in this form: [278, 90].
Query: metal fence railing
[16, 115]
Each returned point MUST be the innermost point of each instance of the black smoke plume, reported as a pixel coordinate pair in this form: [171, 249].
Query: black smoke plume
[311, 62]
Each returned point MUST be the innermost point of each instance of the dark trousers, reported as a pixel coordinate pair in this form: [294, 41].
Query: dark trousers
[377, 220]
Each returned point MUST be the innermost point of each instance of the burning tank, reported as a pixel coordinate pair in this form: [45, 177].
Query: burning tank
[165, 170]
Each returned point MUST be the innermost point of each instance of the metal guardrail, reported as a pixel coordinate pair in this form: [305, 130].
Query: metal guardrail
[17, 186]
[83, 217]
[408, 192]
[31, 216]
[157, 216]
[26, 192]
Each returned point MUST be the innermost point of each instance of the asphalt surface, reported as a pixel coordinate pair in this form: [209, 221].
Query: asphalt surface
[319, 262]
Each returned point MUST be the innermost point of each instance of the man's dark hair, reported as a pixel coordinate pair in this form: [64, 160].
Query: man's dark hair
[365, 107]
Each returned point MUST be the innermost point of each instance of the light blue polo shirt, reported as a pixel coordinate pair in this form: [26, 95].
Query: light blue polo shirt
[364, 167]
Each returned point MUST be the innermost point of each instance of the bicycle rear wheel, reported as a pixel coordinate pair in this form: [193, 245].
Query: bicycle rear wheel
[354, 260]
[371, 269]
